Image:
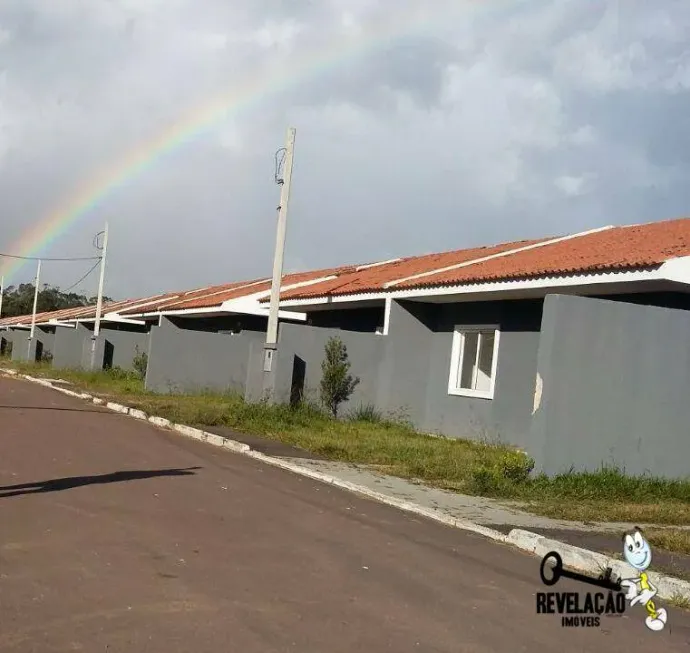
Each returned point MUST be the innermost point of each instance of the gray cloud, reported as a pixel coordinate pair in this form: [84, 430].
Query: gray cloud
[472, 123]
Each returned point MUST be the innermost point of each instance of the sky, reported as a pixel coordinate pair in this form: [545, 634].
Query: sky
[469, 122]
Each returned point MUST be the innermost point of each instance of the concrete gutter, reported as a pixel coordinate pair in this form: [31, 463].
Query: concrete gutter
[575, 558]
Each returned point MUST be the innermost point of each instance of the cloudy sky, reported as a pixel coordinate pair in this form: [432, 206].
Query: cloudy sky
[422, 125]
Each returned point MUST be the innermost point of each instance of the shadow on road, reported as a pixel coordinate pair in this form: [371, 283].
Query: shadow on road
[71, 410]
[58, 484]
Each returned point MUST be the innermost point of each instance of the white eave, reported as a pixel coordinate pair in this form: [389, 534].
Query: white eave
[114, 318]
[61, 323]
[673, 271]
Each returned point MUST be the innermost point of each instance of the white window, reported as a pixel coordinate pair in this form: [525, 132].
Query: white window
[473, 362]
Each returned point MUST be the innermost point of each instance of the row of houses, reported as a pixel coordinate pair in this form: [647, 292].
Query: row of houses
[575, 349]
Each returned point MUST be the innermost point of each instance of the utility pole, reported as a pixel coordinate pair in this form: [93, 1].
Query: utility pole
[2, 292]
[271, 345]
[33, 314]
[99, 299]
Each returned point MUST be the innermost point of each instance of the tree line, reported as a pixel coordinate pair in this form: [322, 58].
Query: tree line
[19, 300]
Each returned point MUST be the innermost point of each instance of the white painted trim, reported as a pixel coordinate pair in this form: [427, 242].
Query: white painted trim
[456, 359]
[387, 315]
[491, 257]
[181, 298]
[182, 312]
[114, 318]
[69, 325]
[373, 265]
[542, 283]
[677, 269]
[252, 307]
[293, 286]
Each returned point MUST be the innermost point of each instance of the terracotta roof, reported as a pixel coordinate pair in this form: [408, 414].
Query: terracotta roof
[247, 288]
[180, 300]
[616, 249]
[372, 278]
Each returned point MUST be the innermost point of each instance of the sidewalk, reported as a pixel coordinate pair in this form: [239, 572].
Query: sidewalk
[603, 537]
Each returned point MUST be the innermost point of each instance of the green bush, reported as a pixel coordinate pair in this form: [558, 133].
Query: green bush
[337, 384]
[140, 362]
[516, 466]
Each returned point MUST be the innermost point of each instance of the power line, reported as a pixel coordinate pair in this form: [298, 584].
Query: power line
[66, 290]
[43, 258]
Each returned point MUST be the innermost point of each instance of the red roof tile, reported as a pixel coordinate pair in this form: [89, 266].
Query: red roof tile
[247, 288]
[620, 248]
[373, 278]
[617, 248]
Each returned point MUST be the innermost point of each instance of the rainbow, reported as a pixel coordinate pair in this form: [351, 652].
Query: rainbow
[94, 191]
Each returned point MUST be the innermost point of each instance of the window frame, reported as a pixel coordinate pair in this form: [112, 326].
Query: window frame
[457, 355]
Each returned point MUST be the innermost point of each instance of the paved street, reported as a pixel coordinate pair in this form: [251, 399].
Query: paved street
[116, 536]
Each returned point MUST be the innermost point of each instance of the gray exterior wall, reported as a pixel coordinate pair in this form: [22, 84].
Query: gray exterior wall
[615, 381]
[44, 337]
[365, 350]
[72, 347]
[123, 343]
[506, 417]
[418, 364]
[18, 338]
[405, 373]
[183, 359]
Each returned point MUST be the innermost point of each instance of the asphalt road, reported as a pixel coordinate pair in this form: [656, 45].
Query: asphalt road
[116, 536]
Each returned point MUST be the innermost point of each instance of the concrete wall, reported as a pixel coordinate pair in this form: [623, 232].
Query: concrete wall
[6, 343]
[118, 346]
[405, 373]
[72, 347]
[69, 349]
[406, 364]
[183, 359]
[614, 388]
[506, 417]
[43, 341]
[18, 338]
[307, 344]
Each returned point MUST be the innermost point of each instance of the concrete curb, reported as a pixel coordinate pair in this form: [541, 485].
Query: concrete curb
[593, 563]
[574, 557]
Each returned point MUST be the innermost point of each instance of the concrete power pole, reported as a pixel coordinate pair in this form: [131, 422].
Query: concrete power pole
[99, 300]
[33, 313]
[271, 345]
[2, 292]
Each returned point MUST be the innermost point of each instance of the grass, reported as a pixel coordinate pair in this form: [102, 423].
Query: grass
[670, 539]
[392, 446]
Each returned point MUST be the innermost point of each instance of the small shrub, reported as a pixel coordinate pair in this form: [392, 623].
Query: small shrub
[366, 413]
[119, 374]
[337, 384]
[516, 466]
[140, 362]
[47, 356]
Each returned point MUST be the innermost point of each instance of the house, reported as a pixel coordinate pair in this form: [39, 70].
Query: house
[213, 339]
[575, 349]
[66, 336]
